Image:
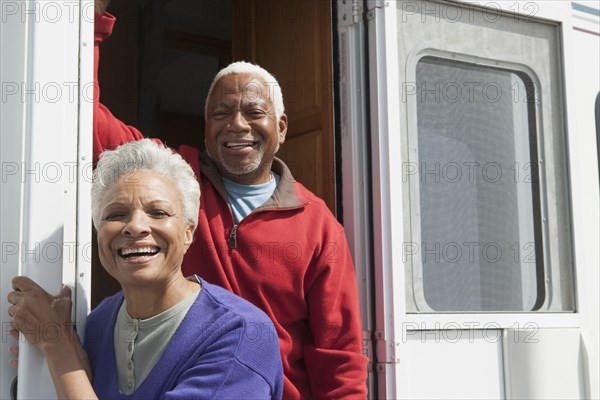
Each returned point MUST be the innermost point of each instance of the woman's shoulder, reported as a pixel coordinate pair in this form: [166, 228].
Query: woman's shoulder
[227, 302]
[243, 331]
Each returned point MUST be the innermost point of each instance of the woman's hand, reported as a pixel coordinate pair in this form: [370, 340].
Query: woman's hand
[14, 350]
[43, 319]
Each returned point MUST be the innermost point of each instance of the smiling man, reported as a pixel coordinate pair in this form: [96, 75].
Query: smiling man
[245, 126]
[264, 236]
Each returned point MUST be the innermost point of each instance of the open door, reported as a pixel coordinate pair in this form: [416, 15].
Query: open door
[292, 40]
[157, 67]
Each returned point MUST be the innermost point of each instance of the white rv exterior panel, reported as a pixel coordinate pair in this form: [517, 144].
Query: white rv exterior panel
[13, 36]
[545, 364]
[52, 179]
[452, 364]
[582, 44]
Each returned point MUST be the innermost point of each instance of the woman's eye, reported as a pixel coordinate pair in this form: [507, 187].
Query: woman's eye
[159, 213]
[114, 216]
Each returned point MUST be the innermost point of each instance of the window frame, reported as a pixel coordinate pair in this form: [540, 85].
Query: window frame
[415, 234]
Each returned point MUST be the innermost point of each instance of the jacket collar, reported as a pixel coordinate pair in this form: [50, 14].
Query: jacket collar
[284, 197]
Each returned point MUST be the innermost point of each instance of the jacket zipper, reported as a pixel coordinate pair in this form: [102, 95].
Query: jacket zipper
[232, 237]
[234, 229]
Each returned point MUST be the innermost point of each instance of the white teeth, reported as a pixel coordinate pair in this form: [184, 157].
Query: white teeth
[245, 144]
[138, 250]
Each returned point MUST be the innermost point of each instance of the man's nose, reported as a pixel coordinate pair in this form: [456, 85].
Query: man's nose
[239, 122]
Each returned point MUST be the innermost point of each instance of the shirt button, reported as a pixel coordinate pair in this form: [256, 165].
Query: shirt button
[129, 365]
[130, 347]
[130, 385]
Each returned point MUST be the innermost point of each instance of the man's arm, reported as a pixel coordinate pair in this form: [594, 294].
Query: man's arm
[100, 6]
[109, 131]
[334, 361]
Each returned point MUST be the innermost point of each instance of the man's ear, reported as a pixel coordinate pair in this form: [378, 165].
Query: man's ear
[283, 124]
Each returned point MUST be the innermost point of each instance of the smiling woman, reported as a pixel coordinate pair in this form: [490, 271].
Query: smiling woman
[145, 202]
[142, 232]
[146, 218]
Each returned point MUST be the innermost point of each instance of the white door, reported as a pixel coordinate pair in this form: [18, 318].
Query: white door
[46, 119]
[481, 233]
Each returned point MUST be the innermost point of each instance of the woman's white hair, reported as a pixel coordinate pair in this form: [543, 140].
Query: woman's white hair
[146, 155]
[244, 67]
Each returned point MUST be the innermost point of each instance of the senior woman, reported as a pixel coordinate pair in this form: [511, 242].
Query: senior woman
[163, 335]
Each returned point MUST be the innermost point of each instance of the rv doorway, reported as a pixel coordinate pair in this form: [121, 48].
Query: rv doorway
[157, 66]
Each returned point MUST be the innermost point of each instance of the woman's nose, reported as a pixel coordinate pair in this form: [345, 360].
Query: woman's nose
[137, 225]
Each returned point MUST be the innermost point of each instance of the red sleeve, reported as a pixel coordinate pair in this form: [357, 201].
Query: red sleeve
[109, 132]
[334, 360]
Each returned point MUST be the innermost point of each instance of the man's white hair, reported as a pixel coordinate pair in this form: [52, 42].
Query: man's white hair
[244, 67]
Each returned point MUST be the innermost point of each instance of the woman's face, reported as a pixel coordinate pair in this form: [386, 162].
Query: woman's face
[143, 234]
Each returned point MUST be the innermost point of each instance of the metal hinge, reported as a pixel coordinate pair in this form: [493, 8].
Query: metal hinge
[368, 345]
[372, 5]
[386, 350]
[350, 12]
[387, 354]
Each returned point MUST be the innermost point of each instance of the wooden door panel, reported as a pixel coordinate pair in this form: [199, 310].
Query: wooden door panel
[293, 152]
[292, 39]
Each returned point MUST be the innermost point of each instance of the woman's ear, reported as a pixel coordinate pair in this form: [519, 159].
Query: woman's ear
[189, 236]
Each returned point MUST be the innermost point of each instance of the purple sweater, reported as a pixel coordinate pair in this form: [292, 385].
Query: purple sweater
[225, 348]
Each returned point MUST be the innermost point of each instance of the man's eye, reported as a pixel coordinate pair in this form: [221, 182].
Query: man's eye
[220, 114]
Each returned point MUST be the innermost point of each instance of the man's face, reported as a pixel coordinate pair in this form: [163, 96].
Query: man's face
[242, 131]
